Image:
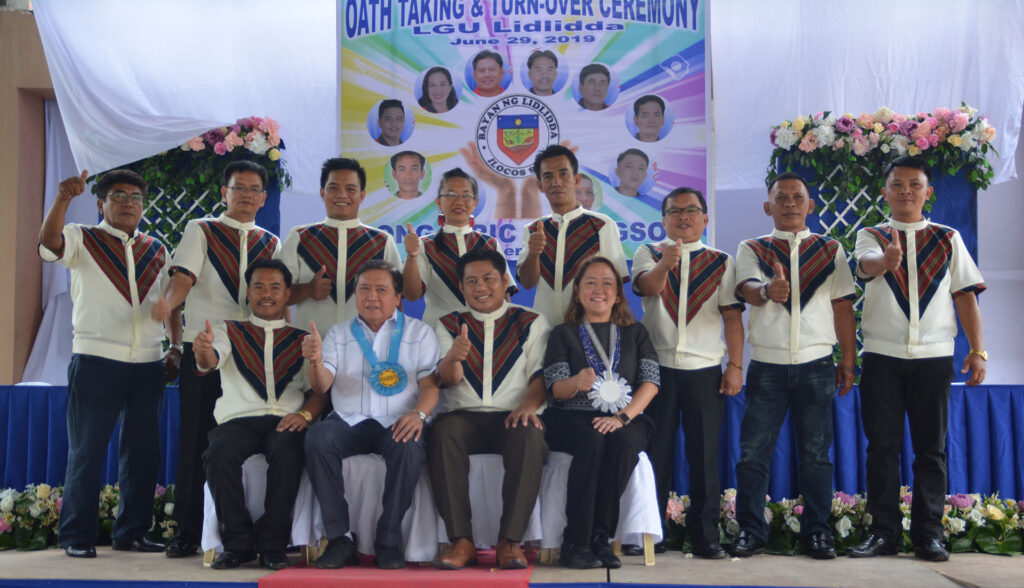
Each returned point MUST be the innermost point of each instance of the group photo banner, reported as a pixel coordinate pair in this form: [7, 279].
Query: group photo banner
[484, 85]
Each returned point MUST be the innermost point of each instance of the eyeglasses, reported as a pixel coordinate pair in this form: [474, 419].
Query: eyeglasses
[678, 212]
[122, 197]
[453, 196]
[240, 190]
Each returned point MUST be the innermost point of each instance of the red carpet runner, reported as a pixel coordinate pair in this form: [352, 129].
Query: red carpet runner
[484, 575]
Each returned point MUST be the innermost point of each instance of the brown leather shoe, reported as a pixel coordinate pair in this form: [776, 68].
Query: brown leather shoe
[460, 554]
[510, 555]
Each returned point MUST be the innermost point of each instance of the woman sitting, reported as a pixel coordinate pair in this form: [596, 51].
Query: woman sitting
[601, 371]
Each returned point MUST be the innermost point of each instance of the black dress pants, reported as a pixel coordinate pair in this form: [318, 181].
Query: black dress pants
[198, 394]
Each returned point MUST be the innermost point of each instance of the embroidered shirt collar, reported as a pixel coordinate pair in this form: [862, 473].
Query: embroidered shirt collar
[463, 230]
[275, 324]
[569, 216]
[693, 246]
[224, 218]
[123, 236]
[915, 226]
[490, 316]
[343, 224]
[788, 236]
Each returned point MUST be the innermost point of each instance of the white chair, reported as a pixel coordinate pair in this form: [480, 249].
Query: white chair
[639, 521]
[254, 481]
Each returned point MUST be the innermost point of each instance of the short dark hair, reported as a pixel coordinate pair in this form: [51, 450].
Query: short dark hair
[485, 54]
[594, 68]
[481, 254]
[389, 103]
[680, 192]
[271, 264]
[538, 54]
[788, 176]
[644, 100]
[552, 151]
[380, 264]
[908, 161]
[632, 151]
[118, 176]
[457, 172]
[336, 163]
[401, 154]
[244, 165]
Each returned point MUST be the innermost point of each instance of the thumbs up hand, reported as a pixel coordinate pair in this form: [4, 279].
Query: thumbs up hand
[321, 285]
[204, 340]
[893, 255]
[312, 345]
[778, 286]
[461, 345]
[411, 241]
[71, 187]
[536, 243]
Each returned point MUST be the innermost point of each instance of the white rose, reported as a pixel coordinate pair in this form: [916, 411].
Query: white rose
[843, 526]
[867, 519]
[906, 524]
[7, 504]
[794, 524]
[169, 508]
[34, 511]
[975, 517]
[957, 525]
[884, 148]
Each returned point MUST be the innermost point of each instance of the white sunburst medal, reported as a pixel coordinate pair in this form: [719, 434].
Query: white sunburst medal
[610, 392]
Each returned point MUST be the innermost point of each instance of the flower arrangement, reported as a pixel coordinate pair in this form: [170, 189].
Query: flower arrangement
[971, 523]
[948, 139]
[29, 519]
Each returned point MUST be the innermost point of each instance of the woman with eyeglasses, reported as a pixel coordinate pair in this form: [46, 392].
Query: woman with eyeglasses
[429, 269]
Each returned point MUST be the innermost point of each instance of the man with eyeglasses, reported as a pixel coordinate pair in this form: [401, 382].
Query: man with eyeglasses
[688, 294]
[594, 81]
[323, 257]
[408, 169]
[208, 275]
[430, 261]
[116, 367]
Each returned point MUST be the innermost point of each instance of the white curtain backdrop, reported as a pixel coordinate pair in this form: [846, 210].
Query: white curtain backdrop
[775, 59]
[51, 351]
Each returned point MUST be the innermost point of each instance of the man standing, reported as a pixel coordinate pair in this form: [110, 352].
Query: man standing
[688, 293]
[493, 389]
[542, 70]
[207, 274]
[919, 276]
[594, 81]
[800, 289]
[488, 70]
[262, 410]
[116, 368]
[631, 169]
[649, 117]
[407, 167]
[379, 369]
[433, 274]
[558, 243]
[324, 256]
[391, 120]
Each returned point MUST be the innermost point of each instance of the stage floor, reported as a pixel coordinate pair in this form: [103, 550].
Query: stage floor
[672, 568]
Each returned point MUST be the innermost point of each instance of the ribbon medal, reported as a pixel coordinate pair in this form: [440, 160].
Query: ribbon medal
[387, 378]
[610, 392]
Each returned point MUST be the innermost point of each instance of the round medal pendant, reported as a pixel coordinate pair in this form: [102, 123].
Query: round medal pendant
[610, 393]
[388, 379]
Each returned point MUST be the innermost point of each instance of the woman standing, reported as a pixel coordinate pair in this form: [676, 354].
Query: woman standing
[601, 371]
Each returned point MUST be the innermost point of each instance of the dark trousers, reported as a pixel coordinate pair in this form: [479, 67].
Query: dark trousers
[890, 387]
[99, 392]
[693, 395]
[457, 435]
[807, 389]
[601, 467]
[198, 394]
[331, 441]
[233, 442]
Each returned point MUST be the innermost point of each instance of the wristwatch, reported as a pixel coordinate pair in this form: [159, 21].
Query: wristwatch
[980, 353]
[422, 415]
[305, 414]
[623, 417]
[177, 347]
[763, 291]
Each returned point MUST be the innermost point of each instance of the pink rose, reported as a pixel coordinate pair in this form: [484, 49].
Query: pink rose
[160, 490]
[4, 527]
[892, 128]
[933, 139]
[798, 509]
[959, 122]
[274, 139]
[857, 133]
[922, 143]
[899, 118]
[220, 148]
[942, 113]
[839, 144]
[932, 121]
[865, 121]
[809, 143]
[873, 138]
[922, 115]
[908, 498]
[196, 144]
[861, 146]
[60, 503]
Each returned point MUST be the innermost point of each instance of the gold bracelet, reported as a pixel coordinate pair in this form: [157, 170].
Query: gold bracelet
[735, 365]
[306, 415]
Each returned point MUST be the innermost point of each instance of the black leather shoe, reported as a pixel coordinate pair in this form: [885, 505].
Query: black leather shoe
[747, 545]
[274, 560]
[181, 547]
[632, 549]
[80, 550]
[339, 553]
[389, 558]
[874, 545]
[143, 545]
[578, 557]
[931, 550]
[602, 550]
[230, 560]
[709, 551]
[819, 546]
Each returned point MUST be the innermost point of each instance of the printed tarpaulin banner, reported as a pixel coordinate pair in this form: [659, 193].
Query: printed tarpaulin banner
[429, 85]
